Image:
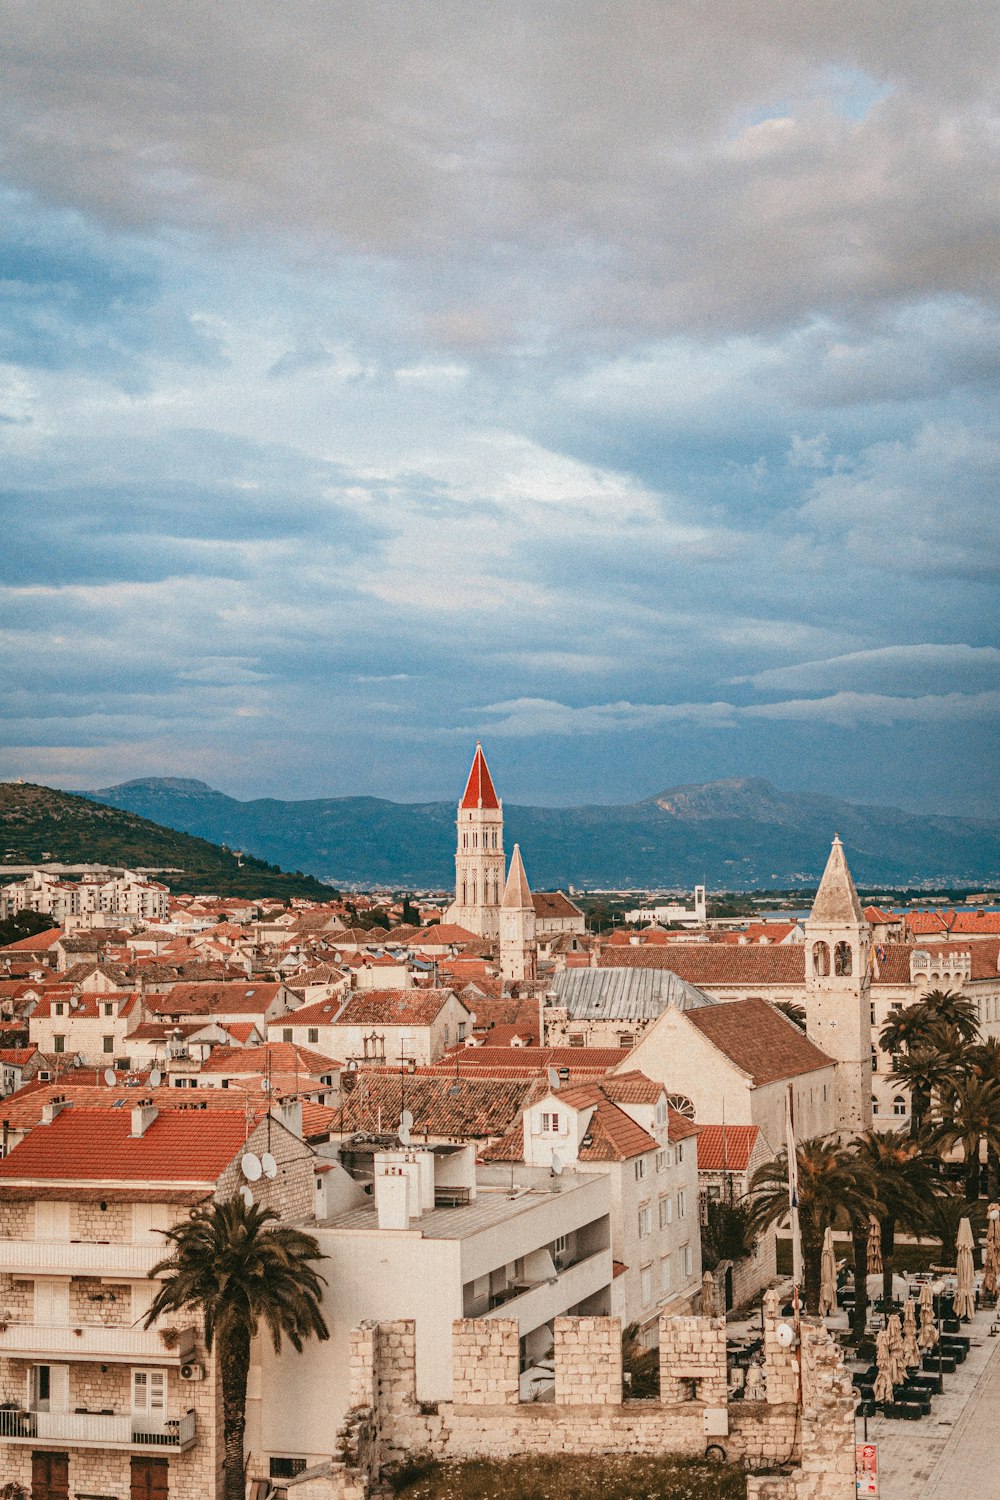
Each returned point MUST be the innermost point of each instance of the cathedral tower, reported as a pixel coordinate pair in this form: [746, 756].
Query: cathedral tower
[518, 958]
[838, 976]
[479, 856]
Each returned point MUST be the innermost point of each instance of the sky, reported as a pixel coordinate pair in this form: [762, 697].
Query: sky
[617, 382]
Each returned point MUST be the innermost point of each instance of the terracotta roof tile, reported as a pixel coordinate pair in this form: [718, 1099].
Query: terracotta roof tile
[96, 1145]
[731, 1153]
[758, 1039]
[416, 1007]
[709, 964]
[479, 790]
[482, 1109]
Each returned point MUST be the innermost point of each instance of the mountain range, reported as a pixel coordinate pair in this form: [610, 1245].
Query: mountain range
[737, 834]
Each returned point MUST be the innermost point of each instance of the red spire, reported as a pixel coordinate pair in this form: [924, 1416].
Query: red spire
[479, 787]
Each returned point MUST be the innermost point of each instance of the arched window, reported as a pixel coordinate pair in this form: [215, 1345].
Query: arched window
[821, 959]
[899, 1105]
[843, 959]
[874, 1105]
[874, 1059]
[465, 841]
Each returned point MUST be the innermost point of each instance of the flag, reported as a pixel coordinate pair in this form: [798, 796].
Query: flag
[793, 1193]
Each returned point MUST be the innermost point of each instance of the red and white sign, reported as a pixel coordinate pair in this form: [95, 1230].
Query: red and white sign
[866, 1468]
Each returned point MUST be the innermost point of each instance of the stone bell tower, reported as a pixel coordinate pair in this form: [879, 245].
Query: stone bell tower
[518, 954]
[480, 865]
[838, 979]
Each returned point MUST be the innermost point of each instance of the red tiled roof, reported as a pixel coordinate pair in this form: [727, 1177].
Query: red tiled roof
[767, 932]
[37, 942]
[553, 904]
[274, 1057]
[85, 1006]
[446, 935]
[709, 964]
[391, 1008]
[482, 1108]
[589, 1062]
[23, 1110]
[479, 787]
[240, 997]
[96, 1145]
[758, 1039]
[729, 1153]
[16, 1057]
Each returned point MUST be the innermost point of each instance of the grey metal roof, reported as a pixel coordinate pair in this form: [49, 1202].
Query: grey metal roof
[625, 994]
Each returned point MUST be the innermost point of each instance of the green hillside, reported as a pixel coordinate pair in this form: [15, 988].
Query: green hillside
[39, 825]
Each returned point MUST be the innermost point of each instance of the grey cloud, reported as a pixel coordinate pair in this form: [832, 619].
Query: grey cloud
[897, 669]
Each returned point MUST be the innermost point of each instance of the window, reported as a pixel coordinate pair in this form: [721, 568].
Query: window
[626, 1039]
[899, 1105]
[59, 1044]
[661, 1161]
[286, 1468]
[462, 1028]
[108, 1008]
[874, 1059]
[666, 1212]
[559, 1244]
[679, 1153]
[873, 1012]
[688, 1260]
[665, 1273]
[646, 1284]
[286, 1033]
[681, 1204]
[640, 1169]
[107, 1044]
[645, 1221]
[313, 1034]
[874, 1105]
[577, 1039]
[59, 1008]
[661, 1111]
[149, 1392]
[821, 959]
[550, 1124]
[843, 960]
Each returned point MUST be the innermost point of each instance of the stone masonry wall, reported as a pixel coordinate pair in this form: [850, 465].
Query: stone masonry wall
[292, 1193]
[588, 1361]
[17, 1221]
[113, 1223]
[387, 1424]
[486, 1368]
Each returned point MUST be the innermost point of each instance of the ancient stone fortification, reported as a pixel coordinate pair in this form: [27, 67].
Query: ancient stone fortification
[812, 1439]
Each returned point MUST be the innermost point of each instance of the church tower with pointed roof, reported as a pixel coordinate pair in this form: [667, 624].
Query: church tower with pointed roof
[480, 864]
[518, 949]
[838, 980]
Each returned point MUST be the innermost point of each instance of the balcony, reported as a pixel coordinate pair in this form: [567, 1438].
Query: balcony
[534, 1305]
[78, 1258]
[92, 1429]
[93, 1341]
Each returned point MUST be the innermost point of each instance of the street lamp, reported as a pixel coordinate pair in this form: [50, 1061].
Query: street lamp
[937, 1288]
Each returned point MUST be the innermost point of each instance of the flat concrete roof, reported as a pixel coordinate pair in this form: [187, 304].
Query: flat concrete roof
[493, 1206]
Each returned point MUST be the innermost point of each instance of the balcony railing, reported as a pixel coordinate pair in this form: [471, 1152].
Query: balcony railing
[95, 1341]
[91, 1429]
[78, 1257]
[532, 1305]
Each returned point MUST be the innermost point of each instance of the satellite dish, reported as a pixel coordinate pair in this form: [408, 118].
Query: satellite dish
[247, 1196]
[557, 1164]
[76, 1060]
[785, 1335]
[553, 1078]
[473, 1018]
[250, 1166]
[155, 1078]
[404, 1134]
[269, 1165]
[109, 1077]
[266, 1085]
[406, 1120]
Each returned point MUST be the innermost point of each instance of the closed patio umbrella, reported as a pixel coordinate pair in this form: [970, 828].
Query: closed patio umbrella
[928, 1335]
[897, 1365]
[991, 1260]
[911, 1349]
[883, 1363]
[827, 1276]
[875, 1248]
[708, 1295]
[965, 1301]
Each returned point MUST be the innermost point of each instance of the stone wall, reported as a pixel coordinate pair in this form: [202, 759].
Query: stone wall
[387, 1424]
[17, 1221]
[292, 1193]
[88, 1221]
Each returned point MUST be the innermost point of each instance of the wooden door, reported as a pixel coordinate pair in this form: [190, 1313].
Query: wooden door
[50, 1476]
[149, 1479]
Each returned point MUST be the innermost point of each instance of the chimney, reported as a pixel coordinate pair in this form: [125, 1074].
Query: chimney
[143, 1116]
[290, 1115]
[392, 1193]
[49, 1111]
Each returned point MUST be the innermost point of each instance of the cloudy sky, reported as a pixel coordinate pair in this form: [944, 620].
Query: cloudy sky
[617, 381]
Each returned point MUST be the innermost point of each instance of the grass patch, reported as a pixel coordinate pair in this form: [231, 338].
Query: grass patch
[589, 1477]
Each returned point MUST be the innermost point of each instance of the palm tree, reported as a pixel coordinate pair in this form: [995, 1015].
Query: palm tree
[925, 1071]
[792, 1011]
[241, 1266]
[831, 1192]
[901, 1178]
[956, 1013]
[945, 1213]
[973, 1116]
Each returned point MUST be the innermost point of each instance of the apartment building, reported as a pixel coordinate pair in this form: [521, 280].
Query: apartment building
[414, 1232]
[91, 1402]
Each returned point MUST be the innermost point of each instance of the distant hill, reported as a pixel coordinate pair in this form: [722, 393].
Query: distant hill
[39, 825]
[738, 834]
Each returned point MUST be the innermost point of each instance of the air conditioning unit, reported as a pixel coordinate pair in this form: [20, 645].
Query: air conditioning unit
[192, 1372]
